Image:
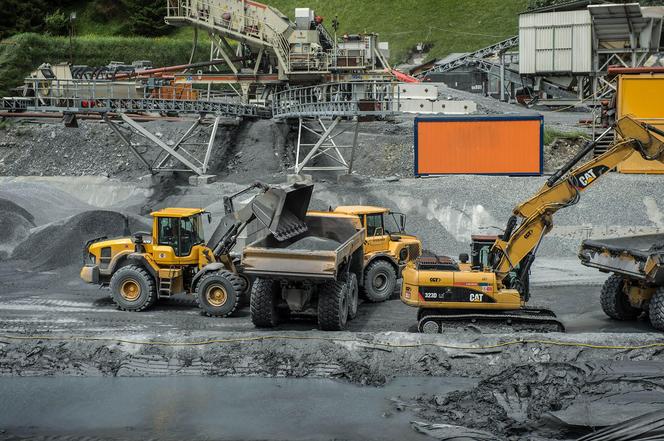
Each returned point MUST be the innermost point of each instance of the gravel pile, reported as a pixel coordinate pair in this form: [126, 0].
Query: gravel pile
[15, 225]
[61, 244]
[312, 243]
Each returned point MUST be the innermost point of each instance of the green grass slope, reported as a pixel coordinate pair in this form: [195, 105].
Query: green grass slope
[447, 25]
[23, 53]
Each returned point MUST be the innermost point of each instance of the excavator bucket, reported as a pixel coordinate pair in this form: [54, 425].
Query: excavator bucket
[283, 209]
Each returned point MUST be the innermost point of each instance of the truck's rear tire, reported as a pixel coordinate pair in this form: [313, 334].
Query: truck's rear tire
[133, 289]
[615, 302]
[353, 296]
[333, 306]
[656, 310]
[218, 293]
[264, 303]
[379, 281]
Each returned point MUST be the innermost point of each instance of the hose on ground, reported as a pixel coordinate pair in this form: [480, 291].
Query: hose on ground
[557, 343]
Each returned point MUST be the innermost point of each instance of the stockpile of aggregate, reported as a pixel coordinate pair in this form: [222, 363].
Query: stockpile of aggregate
[15, 225]
[60, 244]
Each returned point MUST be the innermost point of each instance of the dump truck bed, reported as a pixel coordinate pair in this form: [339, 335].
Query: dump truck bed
[640, 257]
[317, 254]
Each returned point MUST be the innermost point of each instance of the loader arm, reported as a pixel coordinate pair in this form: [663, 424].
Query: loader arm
[520, 242]
[279, 209]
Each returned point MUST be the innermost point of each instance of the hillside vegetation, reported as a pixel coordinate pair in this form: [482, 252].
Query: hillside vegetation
[445, 26]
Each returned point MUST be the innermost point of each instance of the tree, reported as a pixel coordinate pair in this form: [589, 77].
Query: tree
[57, 23]
[146, 17]
[21, 16]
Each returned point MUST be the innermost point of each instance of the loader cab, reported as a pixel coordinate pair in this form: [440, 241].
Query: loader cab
[177, 232]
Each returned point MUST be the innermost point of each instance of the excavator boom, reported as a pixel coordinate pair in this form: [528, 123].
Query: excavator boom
[563, 189]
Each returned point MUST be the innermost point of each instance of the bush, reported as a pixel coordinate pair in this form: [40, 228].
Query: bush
[57, 23]
[23, 53]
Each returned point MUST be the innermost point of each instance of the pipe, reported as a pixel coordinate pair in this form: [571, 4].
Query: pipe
[169, 69]
[617, 70]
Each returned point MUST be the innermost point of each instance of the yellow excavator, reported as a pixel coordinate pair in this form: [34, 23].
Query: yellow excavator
[493, 286]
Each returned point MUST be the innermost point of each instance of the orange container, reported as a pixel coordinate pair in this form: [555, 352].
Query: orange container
[496, 145]
[641, 96]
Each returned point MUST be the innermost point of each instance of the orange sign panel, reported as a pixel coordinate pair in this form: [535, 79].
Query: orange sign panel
[506, 145]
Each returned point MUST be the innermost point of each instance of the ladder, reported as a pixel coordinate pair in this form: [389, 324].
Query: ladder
[604, 144]
[166, 284]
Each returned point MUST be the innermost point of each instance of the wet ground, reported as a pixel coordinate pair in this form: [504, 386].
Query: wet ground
[58, 301]
[213, 408]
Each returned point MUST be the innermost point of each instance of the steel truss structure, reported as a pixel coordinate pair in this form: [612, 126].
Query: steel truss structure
[186, 155]
[325, 146]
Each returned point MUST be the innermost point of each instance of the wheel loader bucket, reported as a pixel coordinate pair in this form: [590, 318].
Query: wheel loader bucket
[283, 209]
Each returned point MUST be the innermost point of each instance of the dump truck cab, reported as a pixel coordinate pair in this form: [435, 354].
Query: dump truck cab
[387, 248]
[385, 234]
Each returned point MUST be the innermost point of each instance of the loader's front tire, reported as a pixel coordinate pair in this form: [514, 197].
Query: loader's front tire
[333, 306]
[133, 289]
[615, 302]
[264, 303]
[379, 281]
[218, 293]
[656, 310]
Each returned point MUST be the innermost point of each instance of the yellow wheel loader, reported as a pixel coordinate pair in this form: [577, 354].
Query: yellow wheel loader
[493, 285]
[175, 259]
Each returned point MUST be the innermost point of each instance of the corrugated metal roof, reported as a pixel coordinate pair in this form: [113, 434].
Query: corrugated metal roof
[617, 21]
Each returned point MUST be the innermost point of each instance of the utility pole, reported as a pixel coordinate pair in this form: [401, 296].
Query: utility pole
[72, 17]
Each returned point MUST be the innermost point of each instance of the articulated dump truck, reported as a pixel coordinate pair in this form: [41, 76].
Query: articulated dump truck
[636, 285]
[315, 271]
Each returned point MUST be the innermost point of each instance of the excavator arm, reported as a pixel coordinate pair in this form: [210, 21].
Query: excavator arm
[519, 244]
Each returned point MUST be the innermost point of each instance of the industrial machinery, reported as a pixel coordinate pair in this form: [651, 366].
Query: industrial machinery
[387, 249]
[344, 250]
[174, 258]
[636, 285]
[447, 291]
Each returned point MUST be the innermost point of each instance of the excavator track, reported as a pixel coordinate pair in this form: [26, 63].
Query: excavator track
[433, 321]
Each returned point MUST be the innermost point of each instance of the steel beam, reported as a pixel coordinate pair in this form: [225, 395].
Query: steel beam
[146, 134]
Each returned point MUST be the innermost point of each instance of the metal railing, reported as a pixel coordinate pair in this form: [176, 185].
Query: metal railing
[337, 99]
[84, 96]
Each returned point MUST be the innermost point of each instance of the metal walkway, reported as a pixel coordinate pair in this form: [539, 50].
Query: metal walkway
[367, 99]
[132, 105]
[496, 48]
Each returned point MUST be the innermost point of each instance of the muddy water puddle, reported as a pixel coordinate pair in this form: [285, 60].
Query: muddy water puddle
[212, 408]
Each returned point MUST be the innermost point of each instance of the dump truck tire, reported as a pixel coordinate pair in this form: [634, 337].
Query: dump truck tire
[264, 303]
[379, 281]
[353, 296]
[614, 300]
[133, 289]
[333, 306]
[218, 293]
[656, 310]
